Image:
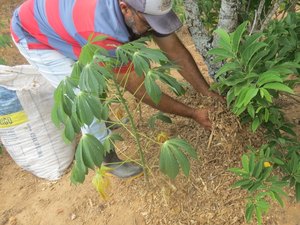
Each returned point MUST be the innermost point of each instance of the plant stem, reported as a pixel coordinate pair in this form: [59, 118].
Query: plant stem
[133, 126]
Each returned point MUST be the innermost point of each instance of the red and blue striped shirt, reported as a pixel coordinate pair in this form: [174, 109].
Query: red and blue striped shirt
[65, 25]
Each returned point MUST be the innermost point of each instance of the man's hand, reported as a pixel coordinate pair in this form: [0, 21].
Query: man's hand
[201, 117]
[217, 96]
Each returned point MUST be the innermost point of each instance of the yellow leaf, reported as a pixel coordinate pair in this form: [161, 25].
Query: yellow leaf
[101, 181]
[119, 113]
[162, 137]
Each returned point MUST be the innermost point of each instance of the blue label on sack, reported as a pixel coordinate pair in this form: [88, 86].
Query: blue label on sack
[11, 110]
[9, 102]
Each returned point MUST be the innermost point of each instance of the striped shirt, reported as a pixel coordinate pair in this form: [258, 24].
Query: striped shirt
[65, 25]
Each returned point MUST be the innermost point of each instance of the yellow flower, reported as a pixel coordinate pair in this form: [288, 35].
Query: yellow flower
[162, 137]
[267, 164]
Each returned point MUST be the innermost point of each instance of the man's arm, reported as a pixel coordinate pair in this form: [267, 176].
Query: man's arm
[177, 53]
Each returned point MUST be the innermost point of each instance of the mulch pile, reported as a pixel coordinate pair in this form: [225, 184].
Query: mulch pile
[205, 197]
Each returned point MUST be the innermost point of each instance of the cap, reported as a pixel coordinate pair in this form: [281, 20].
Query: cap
[158, 13]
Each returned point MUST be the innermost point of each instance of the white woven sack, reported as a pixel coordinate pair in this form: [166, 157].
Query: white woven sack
[26, 131]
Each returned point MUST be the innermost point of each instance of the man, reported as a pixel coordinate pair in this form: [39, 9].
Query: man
[51, 33]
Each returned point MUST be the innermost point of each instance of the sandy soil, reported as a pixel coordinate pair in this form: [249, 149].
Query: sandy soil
[203, 198]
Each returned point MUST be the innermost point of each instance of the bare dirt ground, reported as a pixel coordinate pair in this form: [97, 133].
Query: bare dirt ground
[203, 198]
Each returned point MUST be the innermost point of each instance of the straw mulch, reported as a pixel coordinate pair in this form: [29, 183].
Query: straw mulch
[205, 197]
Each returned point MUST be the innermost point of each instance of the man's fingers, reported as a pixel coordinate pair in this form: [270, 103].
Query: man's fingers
[201, 116]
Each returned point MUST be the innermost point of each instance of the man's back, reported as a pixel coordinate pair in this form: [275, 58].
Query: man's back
[65, 25]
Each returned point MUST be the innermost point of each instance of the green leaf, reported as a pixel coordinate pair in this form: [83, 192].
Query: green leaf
[258, 215]
[152, 88]
[265, 94]
[223, 39]
[251, 163]
[94, 38]
[245, 163]
[288, 130]
[257, 59]
[155, 55]
[239, 88]
[88, 153]
[286, 68]
[79, 159]
[158, 116]
[251, 50]
[255, 124]
[221, 52]
[93, 151]
[107, 145]
[278, 198]
[230, 96]
[5, 40]
[87, 54]
[278, 161]
[182, 160]
[258, 169]
[266, 173]
[77, 175]
[69, 130]
[164, 118]
[241, 97]
[168, 163]
[75, 122]
[278, 87]
[241, 183]
[255, 186]
[249, 212]
[76, 71]
[92, 82]
[227, 67]
[105, 112]
[116, 137]
[273, 47]
[171, 156]
[184, 146]
[103, 72]
[85, 112]
[297, 189]
[263, 205]
[67, 105]
[238, 171]
[251, 93]
[95, 105]
[62, 116]
[88, 82]
[54, 115]
[162, 162]
[95, 148]
[239, 111]
[250, 40]
[237, 36]
[70, 85]
[141, 65]
[58, 93]
[267, 114]
[175, 86]
[251, 111]
[269, 77]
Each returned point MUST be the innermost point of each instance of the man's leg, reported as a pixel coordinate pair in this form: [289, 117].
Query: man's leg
[55, 67]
